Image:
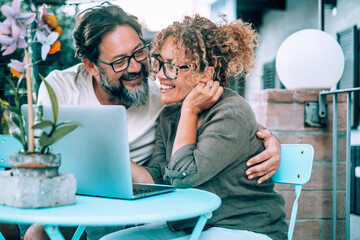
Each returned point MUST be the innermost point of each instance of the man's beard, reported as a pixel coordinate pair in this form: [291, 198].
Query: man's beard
[135, 98]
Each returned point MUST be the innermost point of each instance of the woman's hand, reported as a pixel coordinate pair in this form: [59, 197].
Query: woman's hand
[268, 161]
[203, 96]
[200, 98]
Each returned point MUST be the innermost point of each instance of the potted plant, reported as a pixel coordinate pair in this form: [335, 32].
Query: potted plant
[34, 180]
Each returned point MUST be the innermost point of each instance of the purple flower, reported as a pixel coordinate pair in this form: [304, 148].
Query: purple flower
[17, 65]
[15, 15]
[40, 21]
[10, 28]
[10, 44]
[5, 27]
[43, 12]
[46, 42]
[14, 27]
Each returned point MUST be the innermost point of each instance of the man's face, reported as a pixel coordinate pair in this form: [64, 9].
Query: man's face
[130, 86]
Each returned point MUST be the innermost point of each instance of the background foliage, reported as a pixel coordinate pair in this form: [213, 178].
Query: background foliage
[60, 60]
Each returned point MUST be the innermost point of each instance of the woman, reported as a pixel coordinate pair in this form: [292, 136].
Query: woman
[208, 149]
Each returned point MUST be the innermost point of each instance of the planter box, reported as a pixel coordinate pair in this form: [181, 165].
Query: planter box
[36, 192]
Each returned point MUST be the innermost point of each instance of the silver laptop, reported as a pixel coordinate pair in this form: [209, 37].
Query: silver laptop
[98, 152]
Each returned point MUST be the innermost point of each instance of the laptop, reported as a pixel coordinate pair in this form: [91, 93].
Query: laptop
[98, 153]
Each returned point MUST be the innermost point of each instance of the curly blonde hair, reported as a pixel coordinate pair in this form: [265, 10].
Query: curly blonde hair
[229, 48]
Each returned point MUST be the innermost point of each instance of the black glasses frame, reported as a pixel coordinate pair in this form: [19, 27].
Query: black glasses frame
[129, 58]
[164, 69]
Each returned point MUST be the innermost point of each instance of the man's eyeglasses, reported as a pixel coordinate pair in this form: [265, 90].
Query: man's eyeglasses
[124, 62]
[170, 70]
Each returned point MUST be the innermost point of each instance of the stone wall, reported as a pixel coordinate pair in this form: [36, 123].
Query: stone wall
[282, 112]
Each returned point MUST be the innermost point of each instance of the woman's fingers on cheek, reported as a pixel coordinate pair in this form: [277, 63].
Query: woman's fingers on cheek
[199, 88]
[220, 91]
[215, 96]
[204, 91]
[215, 87]
[210, 82]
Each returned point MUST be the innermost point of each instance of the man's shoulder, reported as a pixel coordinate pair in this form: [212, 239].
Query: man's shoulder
[68, 74]
[72, 86]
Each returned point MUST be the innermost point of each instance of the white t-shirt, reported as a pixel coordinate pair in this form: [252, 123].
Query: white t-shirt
[74, 86]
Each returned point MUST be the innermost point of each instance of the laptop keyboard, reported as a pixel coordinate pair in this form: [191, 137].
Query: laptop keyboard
[143, 190]
[150, 189]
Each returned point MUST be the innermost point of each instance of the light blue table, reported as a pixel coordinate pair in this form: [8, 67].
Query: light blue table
[94, 211]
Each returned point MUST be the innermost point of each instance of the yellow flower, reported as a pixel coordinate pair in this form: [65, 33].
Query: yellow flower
[5, 117]
[58, 29]
[4, 103]
[55, 47]
[15, 73]
[51, 21]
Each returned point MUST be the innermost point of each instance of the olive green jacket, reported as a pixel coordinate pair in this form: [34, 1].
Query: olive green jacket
[226, 139]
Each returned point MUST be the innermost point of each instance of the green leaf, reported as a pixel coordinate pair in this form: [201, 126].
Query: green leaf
[54, 102]
[70, 123]
[17, 134]
[57, 135]
[43, 124]
[44, 141]
[16, 92]
[16, 119]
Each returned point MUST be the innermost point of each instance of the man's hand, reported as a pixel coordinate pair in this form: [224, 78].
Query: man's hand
[267, 162]
[139, 174]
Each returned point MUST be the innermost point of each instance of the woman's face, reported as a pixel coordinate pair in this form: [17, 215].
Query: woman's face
[172, 91]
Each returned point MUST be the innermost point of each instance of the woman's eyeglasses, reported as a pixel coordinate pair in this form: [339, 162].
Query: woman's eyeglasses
[170, 70]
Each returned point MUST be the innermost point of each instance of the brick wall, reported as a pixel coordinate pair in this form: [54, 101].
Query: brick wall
[282, 112]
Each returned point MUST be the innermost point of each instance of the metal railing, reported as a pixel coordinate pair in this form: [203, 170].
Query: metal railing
[322, 105]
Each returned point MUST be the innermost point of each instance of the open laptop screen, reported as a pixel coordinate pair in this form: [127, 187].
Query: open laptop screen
[98, 153]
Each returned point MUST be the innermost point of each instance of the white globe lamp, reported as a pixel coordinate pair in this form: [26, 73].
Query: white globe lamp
[310, 59]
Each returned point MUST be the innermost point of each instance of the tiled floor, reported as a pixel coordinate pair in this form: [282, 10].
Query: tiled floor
[354, 227]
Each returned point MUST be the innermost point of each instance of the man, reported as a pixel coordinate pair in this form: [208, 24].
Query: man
[114, 71]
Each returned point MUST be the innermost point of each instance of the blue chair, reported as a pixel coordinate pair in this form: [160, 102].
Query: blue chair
[295, 168]
[8, 144]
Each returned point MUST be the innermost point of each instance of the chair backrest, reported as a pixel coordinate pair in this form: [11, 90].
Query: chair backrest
[8, 144]
[295, 168]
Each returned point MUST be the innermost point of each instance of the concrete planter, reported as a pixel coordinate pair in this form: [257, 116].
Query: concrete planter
[35, 165]
[34, 182]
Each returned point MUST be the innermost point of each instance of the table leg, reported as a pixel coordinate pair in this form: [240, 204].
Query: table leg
[53, 232]
[200, 226]
[79, 232]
